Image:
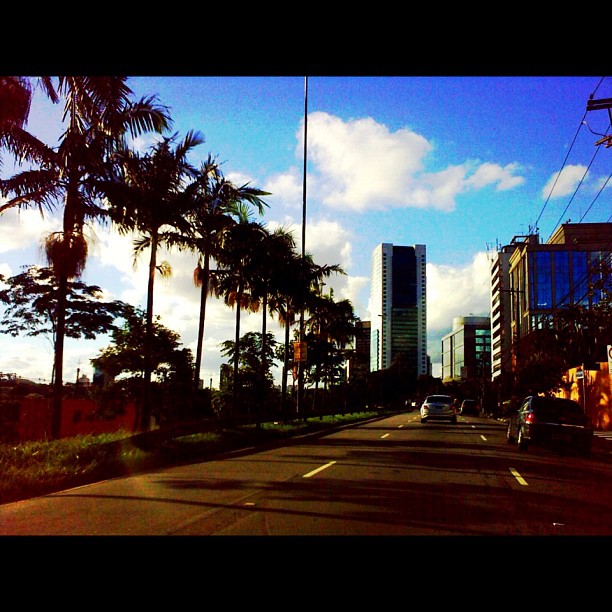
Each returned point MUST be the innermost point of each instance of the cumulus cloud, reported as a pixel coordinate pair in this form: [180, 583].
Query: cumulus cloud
[565, 182]
[23, 229]
[361, 165]
[491, 174]
[448, 287]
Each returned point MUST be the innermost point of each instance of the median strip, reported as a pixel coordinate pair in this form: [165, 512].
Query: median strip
[323, 467]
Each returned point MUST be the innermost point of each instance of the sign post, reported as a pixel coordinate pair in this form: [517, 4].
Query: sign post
[610, 365]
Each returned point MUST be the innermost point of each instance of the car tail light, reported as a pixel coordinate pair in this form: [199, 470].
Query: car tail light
[530, 418]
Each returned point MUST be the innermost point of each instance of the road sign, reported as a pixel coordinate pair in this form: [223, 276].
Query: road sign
[610, 362]
[299, 352]
[579, 374]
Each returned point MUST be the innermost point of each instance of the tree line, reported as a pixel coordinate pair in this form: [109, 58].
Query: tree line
[93, 175]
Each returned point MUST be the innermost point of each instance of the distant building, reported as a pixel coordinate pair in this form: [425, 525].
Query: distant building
[466, 350]
[398, 303]
[359, 363]
[501, 328]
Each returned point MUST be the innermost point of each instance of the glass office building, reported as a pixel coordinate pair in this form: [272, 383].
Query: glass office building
[398, 308]
[466, 351]
[572, 268]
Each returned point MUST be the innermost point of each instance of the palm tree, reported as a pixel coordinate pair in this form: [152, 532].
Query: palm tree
[216, 204]
[332, 324]
[277, 251]
[297, 284]
[241, 248]
[98, 114]
[151, 194]
[15, 99]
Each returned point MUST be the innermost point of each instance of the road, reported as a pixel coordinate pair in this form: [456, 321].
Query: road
[392, 476]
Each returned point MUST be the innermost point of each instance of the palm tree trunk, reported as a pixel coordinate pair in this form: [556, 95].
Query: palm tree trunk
[148, 342]
[203, 297]
[285, 371]
[264, 346]
[236, 352]
[58, 382]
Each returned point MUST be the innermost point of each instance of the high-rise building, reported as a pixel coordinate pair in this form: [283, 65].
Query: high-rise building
[398, 308]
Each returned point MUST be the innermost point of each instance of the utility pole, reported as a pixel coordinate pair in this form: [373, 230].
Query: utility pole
[602, 104]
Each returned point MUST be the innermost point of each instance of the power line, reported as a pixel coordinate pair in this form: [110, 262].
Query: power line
[582, 122]
[575, 192]
[595, 198]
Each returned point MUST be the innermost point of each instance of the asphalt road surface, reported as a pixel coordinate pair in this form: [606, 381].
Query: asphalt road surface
[391, 476]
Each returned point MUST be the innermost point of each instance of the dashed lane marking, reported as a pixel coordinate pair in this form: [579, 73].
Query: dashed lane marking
[519, 478]
[319, 469]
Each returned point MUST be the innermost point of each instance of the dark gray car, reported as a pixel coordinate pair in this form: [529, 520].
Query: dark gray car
[551, 421]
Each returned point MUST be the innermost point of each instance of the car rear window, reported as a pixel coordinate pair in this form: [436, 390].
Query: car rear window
[553, 408]
[444, 399]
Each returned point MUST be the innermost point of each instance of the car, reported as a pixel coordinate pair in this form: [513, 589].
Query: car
[469, 406]
[438, 407]
[551, 421]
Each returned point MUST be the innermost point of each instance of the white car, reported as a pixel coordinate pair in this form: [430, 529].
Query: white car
[438, 407]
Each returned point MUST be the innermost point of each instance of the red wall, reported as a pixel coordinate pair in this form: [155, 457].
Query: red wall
[78, 417]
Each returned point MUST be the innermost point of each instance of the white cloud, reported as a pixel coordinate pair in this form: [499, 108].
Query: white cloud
[489, 174]
[361, 165]
[24, 229]
[453, 292]
[565, 182]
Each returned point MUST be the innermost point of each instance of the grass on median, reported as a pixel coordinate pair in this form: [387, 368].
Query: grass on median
[35, 468]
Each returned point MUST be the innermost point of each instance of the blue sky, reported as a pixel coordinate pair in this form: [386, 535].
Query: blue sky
[460, 164]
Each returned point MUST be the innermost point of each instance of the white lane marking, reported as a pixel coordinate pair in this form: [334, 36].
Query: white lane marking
[384, 436]
[319, 469]
[400, 426]
[483, 437]
[520, 479]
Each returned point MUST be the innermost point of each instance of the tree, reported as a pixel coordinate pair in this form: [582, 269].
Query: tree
[252, 359]
[152, 194]
[15, 99]
[277, 250]
[124, 362]
[98, 114]
[331, 326]
[217, 202]
[238, 259]
[31, 306]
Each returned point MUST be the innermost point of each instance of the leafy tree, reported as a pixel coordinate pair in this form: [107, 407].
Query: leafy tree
[31, 306]
[98, 114]
[124, 362]
[252, 360]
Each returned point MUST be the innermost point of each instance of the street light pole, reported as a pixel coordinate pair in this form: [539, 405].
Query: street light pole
[301, 363]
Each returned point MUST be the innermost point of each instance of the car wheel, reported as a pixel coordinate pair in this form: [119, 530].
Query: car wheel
[522, 442]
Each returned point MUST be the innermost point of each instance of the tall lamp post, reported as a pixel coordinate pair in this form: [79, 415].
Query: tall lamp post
[302, 352]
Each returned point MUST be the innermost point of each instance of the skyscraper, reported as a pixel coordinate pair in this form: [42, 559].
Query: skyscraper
[398, 308]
